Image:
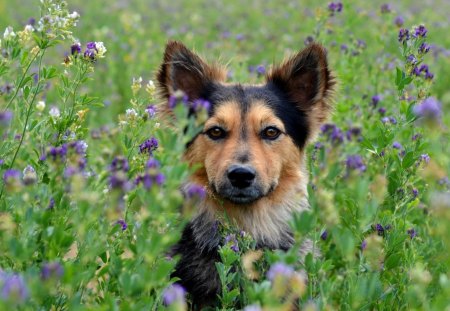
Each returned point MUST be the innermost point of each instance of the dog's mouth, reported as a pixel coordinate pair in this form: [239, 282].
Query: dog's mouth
[241, 196]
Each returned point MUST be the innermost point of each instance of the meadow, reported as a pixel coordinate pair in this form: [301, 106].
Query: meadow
[90, 173]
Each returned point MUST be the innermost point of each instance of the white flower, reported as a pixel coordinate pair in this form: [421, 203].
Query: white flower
[101, 50]
[136, 85]
[137, 81]
[40, 105]
[131, 114]
[9, 33]
[29, 175]
[54, 113]
[29, 29]
[150, 88]
[74, 15]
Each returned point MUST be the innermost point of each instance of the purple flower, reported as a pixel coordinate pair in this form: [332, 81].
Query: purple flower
[13, 287]
[386, 8]
[152, 164]
[429, 109]
[91, 46]
[416, 137]
[425, 158]
[122, 223]
[52, 270]
[424, 48]
[393, 120]
[5, 118]
[151, 110]
[412, 233]
[403, 35]
[355, 162]
[416, 71]
[260, 70]
[399, 21]
[429, 75]
[415, 192]
[335, 7]
[375, 100]
[420, 31]
[360, 43]
[279, 269]
[333, 132]
[363, 245]
[119, 180]
[411, 59]
[353, 132]
[344, 48]
[324, 235]
[148, 146]
[380, 229]
[160, 179]
[149, 179]
[195, 191]
[397, 145]
[240, 37]
[231, 239]
[89, 54]
[174, 293]
[200, 104]
[75, 49]
[382, 111]
[178, 97]
[79, 146]
[119, 164]
[51, 203]
[11, 176]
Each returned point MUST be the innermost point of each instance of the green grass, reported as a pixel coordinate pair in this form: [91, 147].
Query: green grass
[94, 264]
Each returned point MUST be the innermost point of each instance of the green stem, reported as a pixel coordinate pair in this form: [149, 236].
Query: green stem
[21, 80]
[29, 111]
[72, 109]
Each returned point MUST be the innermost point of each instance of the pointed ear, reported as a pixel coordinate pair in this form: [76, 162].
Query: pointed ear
[307, 82]
[184, 70]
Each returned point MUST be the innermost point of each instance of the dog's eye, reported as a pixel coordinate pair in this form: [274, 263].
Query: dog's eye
[216, 133]
[270, 133]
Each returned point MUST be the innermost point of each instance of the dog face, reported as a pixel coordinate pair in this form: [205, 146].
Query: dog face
[252, 143]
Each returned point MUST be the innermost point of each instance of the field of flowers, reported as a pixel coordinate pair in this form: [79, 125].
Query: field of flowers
[90, 174]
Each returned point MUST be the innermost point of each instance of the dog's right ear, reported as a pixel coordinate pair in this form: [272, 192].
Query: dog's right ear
[184, 70]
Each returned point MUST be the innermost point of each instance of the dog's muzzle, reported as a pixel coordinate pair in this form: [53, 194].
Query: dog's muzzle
[241, 185]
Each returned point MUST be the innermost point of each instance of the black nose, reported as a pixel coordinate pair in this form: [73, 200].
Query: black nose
[241, 176]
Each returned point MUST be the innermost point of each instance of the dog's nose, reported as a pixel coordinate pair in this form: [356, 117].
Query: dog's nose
[241, 176]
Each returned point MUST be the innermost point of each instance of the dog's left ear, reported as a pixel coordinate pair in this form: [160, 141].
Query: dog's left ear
[184, 70]
[307, 82]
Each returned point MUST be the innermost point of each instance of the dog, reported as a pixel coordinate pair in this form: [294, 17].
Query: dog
[250, 154]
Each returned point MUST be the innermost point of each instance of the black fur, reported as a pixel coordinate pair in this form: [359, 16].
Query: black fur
[198, 251]
[295, 120]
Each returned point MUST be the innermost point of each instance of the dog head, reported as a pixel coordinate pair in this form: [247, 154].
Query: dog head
[252, 142]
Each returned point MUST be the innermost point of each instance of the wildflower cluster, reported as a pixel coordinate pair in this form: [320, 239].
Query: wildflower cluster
[414, 49]
[151, 176]
[92, 52]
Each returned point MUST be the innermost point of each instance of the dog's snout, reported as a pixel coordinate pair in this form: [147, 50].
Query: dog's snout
[241, 176]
